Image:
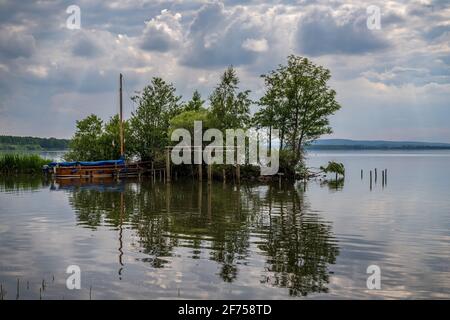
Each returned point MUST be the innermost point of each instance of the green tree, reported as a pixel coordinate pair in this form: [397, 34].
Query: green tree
[185, 120]
[298, 101]
[110, 140]
[86, 143]
[229, 108]
[196, 102]
[157, 104]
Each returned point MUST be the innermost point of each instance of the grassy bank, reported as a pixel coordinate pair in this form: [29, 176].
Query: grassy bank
[21, 163]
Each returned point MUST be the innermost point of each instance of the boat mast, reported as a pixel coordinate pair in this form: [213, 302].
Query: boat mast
[122, 147]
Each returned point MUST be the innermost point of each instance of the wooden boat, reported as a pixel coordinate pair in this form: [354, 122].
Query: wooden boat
[97, 169]
[93, 170]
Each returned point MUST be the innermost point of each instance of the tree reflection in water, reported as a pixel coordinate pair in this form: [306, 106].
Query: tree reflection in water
[223, 223]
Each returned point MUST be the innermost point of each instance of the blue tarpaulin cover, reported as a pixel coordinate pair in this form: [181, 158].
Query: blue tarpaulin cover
[88, 163]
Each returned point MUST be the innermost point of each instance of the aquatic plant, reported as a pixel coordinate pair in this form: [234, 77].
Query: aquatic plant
[21, 163]
[334, 167]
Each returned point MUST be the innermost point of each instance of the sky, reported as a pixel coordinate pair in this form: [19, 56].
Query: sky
[393, 82]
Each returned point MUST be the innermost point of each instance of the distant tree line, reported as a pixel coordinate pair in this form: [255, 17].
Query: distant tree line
[297, 101]
[11, 142]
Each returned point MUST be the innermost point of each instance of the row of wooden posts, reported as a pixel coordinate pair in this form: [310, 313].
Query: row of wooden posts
[168, 176]
[384, 174]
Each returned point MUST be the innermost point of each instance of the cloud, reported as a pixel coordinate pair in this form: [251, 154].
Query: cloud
[16, 44]
[86, 47]
[162, 33]
[63, 72]
[321, 33]
[257, 45]
[216, 37]
[437, 32]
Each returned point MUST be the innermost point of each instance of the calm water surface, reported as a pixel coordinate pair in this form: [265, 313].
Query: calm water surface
[186, 240]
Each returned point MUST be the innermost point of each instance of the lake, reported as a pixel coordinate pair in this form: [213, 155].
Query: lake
[149, 240]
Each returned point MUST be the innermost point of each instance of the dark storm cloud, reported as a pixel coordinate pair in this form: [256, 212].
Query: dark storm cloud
[319, 33]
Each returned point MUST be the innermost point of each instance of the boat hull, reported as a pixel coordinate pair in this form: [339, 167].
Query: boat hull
[95, 172]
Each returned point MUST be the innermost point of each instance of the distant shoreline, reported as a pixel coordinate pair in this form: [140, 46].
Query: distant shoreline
[362, 148]
[346, 144]
[35, 144]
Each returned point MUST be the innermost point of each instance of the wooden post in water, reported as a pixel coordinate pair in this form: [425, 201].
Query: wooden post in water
[122, 147]
[153, 173]
[238, 173]
[168, 164]
[361, 174]
[385, 176]
[209, 173]
[168, 196]
[370, 179]
[200, 197]
[376, 175]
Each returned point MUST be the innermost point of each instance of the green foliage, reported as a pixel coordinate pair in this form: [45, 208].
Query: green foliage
[21, 163]
[185, 120]
[229, 108]
[334, 167]
[298, 102]
[110, 139]
[196, 103]
[32, 143]
[286, 159]
[86, 143]
[94, 140]
[157, 104]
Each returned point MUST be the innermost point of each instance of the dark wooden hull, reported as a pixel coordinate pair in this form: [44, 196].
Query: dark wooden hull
[95, 172]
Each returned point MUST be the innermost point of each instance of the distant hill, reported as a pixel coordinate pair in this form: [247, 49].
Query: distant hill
[13, 143]
[345, 144]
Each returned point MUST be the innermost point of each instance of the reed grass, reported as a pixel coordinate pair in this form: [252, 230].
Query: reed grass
[21, 163]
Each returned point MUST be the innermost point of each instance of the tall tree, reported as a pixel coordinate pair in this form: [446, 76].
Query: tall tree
[196, 102]
[230, 108]
[110, 140]
[157, 104]
[298, 101]
[86, 143]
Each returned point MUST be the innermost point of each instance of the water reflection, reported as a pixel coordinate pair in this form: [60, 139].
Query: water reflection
[20, 183]
[333, 185]
[233, 226]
